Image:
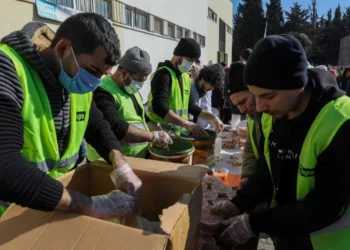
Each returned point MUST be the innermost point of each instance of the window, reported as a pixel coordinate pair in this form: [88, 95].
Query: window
[212, 15]
[103, 7]
[179, 32]
[229, 29]
[158, 27]
[68, 3]
[128, 15]
[201, 40]
[171, 30]
[187, 33]
[141, 19]
[84, 5]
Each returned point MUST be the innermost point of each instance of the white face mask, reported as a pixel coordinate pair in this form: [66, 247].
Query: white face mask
[185, 66]
[134, 86]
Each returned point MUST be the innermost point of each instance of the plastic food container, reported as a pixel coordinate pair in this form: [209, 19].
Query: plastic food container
[205, 239]
[220, 199]
[210, 223]
[205, 204]
[209, 195]
[210, 179]
[221, 189]
[231, 194]
[204, 185]
[221, 173]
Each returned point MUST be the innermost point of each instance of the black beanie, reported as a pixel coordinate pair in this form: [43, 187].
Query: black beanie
[277, 62]
[236, 83]
[188, 47]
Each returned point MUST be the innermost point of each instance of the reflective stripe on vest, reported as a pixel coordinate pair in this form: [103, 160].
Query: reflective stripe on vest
[40, 146]
[126, 111]
[320, 135]
[177, 101]
[251, 134]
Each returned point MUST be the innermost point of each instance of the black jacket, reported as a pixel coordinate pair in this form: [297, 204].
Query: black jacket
[292, 221]
[20, 181]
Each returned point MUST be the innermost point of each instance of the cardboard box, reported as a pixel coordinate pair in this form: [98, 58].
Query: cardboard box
[171, 193]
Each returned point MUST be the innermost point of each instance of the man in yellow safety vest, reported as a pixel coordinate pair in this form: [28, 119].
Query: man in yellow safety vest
[121, 103]
[46, 105]
[169, 102]
[303, 166]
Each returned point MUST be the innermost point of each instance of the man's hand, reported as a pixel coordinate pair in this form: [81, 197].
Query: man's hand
[112, 205]
[161, 139]
[194, 129]
[225, 208]
[243, 182]
[126, 180]
[238, 232]
[219, 126]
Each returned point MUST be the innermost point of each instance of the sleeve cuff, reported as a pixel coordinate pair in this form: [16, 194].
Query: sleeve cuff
[49, 195]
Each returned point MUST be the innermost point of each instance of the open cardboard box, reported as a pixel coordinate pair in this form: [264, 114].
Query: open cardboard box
[164, 198]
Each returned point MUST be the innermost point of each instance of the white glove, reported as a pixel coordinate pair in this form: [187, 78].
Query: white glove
[219, 126]
[126, 180]
[161, 139]
[194, 129]
[239, 232]
[112, 205]
[225, 209]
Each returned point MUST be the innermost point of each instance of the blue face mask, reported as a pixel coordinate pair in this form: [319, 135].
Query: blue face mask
[83, 82]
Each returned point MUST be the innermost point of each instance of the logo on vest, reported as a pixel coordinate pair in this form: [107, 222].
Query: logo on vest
[186, 92]
[81, 116]
[306, 172]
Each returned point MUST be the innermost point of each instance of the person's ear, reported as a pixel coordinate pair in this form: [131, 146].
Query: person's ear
[62, 48]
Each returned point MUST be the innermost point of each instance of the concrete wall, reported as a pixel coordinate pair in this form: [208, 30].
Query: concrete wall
[344, 52]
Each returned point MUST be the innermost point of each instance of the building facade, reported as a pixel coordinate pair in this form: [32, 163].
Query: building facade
[344, 52]
[219, 31]
[153, 25]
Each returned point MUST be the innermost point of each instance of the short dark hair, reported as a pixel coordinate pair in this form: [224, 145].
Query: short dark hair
[213, 74]
[88, 31]
[245, 54]
[223, 64]
[302, 38]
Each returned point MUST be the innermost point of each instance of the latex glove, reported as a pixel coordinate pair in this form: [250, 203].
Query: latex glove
[219, 126]
[126, 180]
[161, 139]
[111, 205]
[225, 209]
[239, 231]
[194, 129]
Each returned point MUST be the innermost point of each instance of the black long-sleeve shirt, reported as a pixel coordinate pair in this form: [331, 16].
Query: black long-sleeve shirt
[106, 103]
[160, 88]
[292, 220]
[21, 181]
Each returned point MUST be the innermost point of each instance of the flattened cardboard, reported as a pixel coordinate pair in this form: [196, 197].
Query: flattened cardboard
[171, 194]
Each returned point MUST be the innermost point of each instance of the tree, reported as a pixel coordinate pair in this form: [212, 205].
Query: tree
[249, 26]
[328, 22]
[297, 19]
[337, 20]
[313, 13]
[274, 15]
